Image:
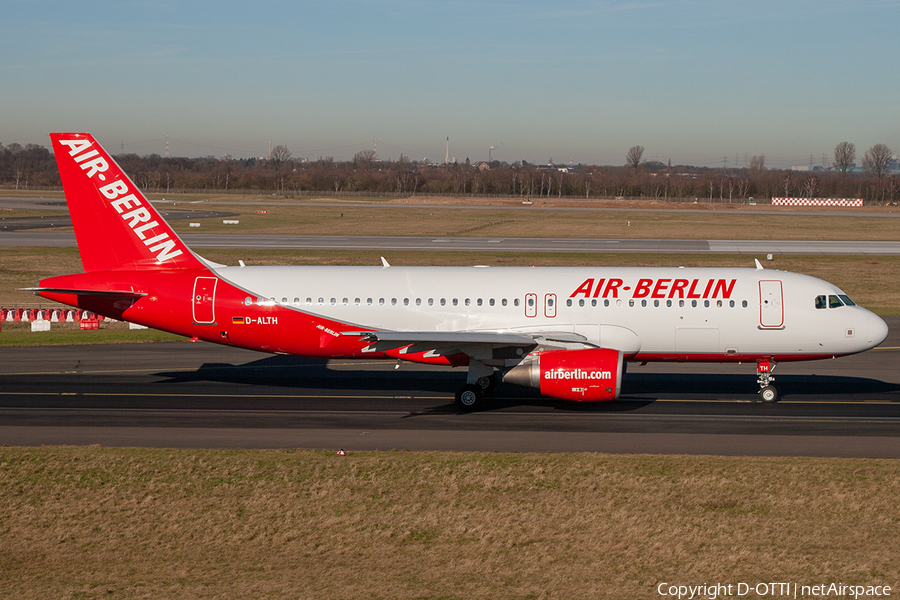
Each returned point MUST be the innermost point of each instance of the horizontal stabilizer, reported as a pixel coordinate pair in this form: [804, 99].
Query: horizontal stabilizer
[74, 292]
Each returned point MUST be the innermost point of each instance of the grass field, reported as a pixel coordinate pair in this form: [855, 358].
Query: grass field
[412, 220]
[132, 523]
[371, 216]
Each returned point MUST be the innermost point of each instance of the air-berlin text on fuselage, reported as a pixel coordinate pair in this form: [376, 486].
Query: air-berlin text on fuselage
[656, 288]
[126, 204]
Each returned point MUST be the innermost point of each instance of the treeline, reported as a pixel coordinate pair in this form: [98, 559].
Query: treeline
[33, 167]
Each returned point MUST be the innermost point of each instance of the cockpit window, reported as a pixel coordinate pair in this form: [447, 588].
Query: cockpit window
[820, 302]
[834, 302]
[847, 300]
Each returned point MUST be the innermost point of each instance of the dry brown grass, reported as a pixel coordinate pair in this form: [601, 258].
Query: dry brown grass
[313, 219]
[134, 523]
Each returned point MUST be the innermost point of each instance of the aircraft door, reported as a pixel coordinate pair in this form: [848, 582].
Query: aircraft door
[550, 305]
[530, 305]
[771, 304]
[204, 300]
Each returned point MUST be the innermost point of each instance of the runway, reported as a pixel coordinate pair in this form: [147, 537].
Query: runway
[757, 248]
[203, 395]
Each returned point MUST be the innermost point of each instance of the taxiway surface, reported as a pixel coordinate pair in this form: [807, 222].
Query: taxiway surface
[204, 395]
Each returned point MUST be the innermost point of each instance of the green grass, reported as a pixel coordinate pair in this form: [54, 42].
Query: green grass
[143, 523]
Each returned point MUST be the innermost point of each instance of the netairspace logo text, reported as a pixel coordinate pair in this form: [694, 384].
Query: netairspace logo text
[713, 591]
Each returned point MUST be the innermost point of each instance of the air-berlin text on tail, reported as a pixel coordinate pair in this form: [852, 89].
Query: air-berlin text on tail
[127, 204]
[656, 288]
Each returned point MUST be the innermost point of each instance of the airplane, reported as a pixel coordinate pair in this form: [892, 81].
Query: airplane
[565, 331]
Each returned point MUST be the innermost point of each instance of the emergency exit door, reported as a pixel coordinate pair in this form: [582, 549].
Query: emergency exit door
[204, 300]
[771, 304]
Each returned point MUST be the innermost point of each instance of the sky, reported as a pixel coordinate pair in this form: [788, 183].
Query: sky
[703, 82]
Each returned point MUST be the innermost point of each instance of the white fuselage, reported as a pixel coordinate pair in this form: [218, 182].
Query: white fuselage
[648, 313]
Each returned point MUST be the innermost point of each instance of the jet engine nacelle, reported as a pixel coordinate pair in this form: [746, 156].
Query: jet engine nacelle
[592, 375]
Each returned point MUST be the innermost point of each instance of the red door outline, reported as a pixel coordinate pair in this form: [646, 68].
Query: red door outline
[771, 304]
[204, 300]
[530, 305]
[550, 305]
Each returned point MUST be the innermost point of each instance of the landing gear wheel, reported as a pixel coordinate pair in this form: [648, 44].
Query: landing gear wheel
[470, 397]
[488, 383]
[768, 394]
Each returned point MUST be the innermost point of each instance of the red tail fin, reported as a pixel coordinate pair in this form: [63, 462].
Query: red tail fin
[114, 223]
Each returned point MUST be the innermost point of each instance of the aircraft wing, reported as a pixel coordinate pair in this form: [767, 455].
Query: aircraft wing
[477, 344]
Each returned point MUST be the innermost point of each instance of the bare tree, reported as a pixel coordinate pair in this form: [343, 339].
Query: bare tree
[758, 163]
[877, 159]
[788, 184]
[364, 159]
[810, 186]
[711, 186]
[633, 158]
[280, 155]
[844, 155]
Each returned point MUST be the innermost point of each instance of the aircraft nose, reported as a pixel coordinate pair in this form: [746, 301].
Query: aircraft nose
[876, 330]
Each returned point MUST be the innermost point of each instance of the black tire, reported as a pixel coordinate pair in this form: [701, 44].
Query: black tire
[768, 394]
[488, 382]
[469, 397]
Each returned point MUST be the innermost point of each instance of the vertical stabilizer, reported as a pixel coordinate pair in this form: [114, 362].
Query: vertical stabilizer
[115, 225]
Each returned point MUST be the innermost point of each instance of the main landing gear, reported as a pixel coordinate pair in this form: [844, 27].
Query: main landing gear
[482, 379]
[767, 391]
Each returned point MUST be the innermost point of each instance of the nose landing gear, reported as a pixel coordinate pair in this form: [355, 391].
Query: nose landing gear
[767, 391]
